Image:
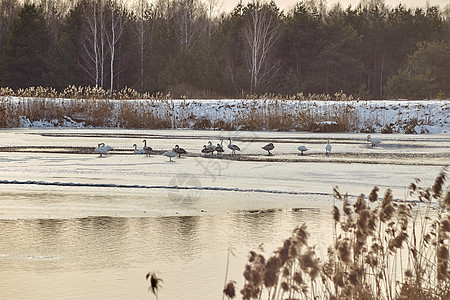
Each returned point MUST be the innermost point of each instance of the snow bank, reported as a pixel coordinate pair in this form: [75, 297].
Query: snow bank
[386, 116]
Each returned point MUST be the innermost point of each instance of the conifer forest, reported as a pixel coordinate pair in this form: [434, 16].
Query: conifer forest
[191, 48]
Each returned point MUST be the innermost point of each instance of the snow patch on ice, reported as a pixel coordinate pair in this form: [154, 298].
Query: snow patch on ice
[68, 122]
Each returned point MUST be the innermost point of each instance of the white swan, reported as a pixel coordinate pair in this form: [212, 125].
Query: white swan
[302, 149]
[373, 141]
[138, 151]
[170, 154]
[108, 147]
[268, 147]
[328, 148]
[102, 149]
[147, 149]
[233, 147]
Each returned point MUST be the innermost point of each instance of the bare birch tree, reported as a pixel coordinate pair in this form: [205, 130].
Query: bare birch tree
[94, 40]
[116, 22]
[143, 33]
[102, 35]
[191, 20]
[214, 8]
[260, 33]
[162, 9]
[90, 42]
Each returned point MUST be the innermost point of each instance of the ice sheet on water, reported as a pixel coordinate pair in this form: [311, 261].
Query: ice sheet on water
[74, 183]
[165, 187]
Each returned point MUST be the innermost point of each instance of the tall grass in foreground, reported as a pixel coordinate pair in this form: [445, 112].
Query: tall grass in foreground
[382, 249]
[155, 283]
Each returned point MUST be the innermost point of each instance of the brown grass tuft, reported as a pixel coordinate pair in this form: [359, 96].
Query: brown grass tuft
[336, 214]
[394, 250]
[387, 209]
[438, 185]
[373, 196]
[230, 290]
[446, 200]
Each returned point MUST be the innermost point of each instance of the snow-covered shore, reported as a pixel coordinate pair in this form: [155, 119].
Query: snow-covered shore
[385, 116]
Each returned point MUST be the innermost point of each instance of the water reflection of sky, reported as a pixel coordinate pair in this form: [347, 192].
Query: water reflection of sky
[98, 241]
[188, 252]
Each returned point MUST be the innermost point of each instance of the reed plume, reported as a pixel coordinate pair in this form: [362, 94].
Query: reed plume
[382, 249]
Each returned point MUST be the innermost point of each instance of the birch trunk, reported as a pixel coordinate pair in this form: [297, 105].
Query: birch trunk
[261, 34]
[117, 20]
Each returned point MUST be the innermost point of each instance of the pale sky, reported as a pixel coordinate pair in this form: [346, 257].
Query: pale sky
[228, 5]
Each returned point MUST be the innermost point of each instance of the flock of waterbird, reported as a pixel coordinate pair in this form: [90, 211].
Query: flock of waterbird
[103, 149]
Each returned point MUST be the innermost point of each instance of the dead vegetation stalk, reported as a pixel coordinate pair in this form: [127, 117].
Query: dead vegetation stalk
[382, 249]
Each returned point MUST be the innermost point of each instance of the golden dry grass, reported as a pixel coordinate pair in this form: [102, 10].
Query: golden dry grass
[382, 249]
[73, 92]
[94, 107]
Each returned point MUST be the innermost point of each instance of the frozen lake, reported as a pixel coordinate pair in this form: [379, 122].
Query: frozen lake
[75, 225]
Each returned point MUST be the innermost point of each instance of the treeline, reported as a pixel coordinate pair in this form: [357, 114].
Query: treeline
[189, 48]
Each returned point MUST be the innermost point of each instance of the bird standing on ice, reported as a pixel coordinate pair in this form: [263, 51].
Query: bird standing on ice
[328, 148]
[147, 149]
[170, 154]
[302, 149]
[211, 147]
[108, 147]
[219, 147]
[179, 150]
[138, 151]
[373, 141]
[233, 147]
[268, 147]
[206, 150]
[102, 149]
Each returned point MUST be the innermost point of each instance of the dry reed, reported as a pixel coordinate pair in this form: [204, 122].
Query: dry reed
[91, 108]
[95, 107]
[383, 249]
[73, 92]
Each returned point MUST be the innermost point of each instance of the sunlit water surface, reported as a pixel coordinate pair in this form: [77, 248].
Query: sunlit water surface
[77, 226]
[108, 258]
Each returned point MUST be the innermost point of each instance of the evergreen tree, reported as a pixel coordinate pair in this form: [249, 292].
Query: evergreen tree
[64, 54]
[371, 26]
[301, 41]
[338, 66]
[433, 58]
[368, 51]
[407, 85]
[164, 48]
[427, 73]
[25, 49]
[228, 45]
